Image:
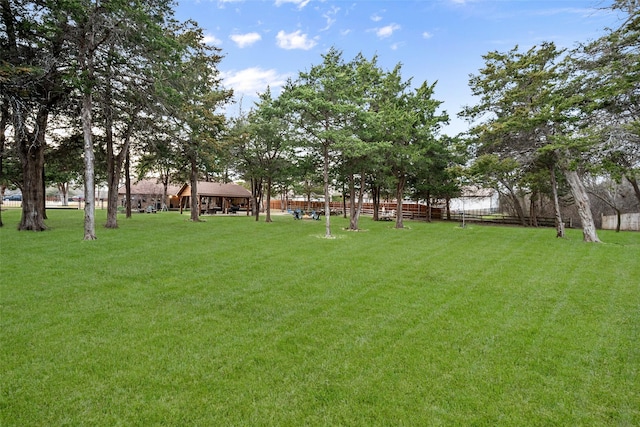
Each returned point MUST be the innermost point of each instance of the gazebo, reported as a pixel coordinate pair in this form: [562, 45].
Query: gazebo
[216, 197]
[150, 192]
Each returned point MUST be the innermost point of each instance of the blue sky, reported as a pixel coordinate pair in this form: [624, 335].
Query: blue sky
[266, 42]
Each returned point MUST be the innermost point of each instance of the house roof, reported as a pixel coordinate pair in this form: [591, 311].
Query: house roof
[216, 189]
[150, 186]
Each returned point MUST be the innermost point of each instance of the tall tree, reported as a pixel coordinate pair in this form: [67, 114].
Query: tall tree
[193, 92]
[411, 121]
[609, 85]
[320, 105]
[112, 40]
[360, 160]
[33, 60]
[528, 109]
[268, 144]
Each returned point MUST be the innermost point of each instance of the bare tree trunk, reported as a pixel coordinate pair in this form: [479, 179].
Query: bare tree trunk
[86, 63]
[556, 203]
[89, 170]
[584, 206]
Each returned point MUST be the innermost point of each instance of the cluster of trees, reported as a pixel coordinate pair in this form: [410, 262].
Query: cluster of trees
[105, 79]
[362, 127]
[108, 80]
[549, 121]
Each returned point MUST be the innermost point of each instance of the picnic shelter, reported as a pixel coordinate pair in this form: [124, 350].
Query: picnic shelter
[216, 197]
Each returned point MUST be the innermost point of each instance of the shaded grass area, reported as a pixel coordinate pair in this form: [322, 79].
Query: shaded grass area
[233, 322]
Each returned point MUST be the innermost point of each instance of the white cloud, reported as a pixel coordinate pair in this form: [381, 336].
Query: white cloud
[295, 40]
[376, 18]
[301, 3]
[252, 80]
[244, 40]
[330, 17]
[211, 39]
[427, 35]
[387, 31]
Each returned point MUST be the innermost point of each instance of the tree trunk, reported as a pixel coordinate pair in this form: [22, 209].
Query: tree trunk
[355, 207]
[376, 201]
[32, 159]
[268, 213]
[584, 206]
[44, 191]
[63, 189]
[89, 170]
[127, 184]
[113, 175]
[517, 206]
[31, 151]
[86, 64]
[533, 215]
[165, 187]
[195, 200]
[4, 123]
[256, 185]
[344, 202]
[634, 183]
[353, 220]
[360, 199]
[556, 203]
[114, 170]
[327, 196]
[399, 196]
[448, 208]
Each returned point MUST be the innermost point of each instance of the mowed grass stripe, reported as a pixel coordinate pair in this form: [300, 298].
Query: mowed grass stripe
[234, 322]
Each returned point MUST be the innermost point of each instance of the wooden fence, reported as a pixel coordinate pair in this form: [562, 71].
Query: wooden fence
[409, 210]
[421, 212]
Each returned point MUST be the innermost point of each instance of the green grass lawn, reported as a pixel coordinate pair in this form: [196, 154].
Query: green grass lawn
[232, 322]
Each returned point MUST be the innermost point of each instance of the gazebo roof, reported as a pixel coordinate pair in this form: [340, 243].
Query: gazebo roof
[150, 186]
[216, 189]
